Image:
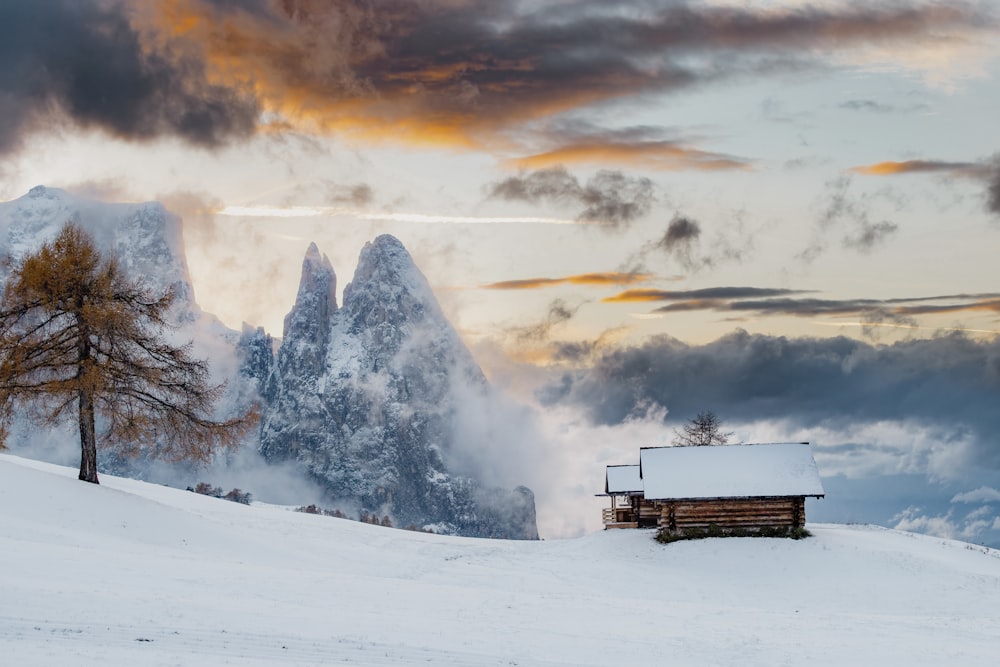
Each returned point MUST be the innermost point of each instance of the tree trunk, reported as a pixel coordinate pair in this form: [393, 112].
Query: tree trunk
[85, 398]
[88, 441]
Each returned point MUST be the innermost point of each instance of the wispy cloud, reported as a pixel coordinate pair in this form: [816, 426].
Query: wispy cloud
[685, 242]
[986, 171]
[358, 194]
[267, 211]
[770, 301]
[708, 294]
[917, 167]
[874, 106]
[851, 215]
[984, 494]
[592, 279]
[657, 155]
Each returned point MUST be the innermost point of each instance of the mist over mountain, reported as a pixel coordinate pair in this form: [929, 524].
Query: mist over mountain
[146, 238]
[362, 400]
[366, 398]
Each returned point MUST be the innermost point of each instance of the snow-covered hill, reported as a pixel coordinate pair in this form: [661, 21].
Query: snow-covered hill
[130, 573]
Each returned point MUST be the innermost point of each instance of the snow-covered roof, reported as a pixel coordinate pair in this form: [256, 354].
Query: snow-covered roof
[622, 480]
[729, 471]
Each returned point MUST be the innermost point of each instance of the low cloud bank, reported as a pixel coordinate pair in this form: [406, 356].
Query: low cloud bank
[949, 381]
[904, 434]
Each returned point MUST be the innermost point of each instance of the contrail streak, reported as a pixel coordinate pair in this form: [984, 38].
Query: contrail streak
[420, 218]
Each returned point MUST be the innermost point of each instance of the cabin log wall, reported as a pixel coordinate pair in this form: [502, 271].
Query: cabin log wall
[744, 513]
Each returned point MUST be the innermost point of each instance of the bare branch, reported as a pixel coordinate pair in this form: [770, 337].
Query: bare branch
[703, 429]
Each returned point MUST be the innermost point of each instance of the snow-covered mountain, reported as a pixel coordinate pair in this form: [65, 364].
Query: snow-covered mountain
[145, 237]
[366, 397]
[363, 398]
[148, 243]
[130, 573]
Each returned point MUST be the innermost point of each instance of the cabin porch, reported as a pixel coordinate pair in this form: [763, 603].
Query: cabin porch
[630, 512]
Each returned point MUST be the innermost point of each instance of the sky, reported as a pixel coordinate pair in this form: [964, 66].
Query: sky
[632, 211]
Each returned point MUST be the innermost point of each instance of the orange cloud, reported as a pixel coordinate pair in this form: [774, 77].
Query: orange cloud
[638, 295]
[915, 167]
[471, 75]
[660, 155]
[598, 279]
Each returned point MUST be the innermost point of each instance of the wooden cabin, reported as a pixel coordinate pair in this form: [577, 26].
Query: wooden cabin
[715, 488]
[624, 486]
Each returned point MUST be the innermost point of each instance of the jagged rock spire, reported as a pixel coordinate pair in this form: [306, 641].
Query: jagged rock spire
[366, 404]
[315, 301]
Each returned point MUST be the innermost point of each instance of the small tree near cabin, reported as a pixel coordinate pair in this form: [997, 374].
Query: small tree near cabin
[78, 336]
[703, 429]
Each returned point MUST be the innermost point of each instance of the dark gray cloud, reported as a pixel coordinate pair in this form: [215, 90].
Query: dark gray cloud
[554, 183]
[610, 197]
[683, 242]
[681, 232]
[781, 301]
[867, 105]
[201, 69]
[993, 187]
[613, 198]
[707, 293]
[952, 382]
[358, 194]
[84, 61]
[873, 106]
[868, 235]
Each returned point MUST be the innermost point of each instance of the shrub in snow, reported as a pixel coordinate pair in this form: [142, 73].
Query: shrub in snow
[206, 489]
[238, 496]
[665, 536]
[314, 509]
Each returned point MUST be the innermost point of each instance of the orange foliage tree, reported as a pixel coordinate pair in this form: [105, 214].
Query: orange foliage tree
[78, 336]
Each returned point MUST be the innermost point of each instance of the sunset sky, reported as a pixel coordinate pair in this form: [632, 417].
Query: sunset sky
[626, 208]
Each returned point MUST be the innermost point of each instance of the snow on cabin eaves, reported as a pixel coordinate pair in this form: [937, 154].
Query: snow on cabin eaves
[729, 471]
[623, 480]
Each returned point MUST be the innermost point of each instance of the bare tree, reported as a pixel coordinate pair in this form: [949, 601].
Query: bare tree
[704, 429]
[77, 335]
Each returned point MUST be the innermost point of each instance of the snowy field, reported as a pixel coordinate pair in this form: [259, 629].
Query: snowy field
[128, 573]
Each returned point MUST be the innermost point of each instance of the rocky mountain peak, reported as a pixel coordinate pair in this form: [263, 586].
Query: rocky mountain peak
[367, 405]
[388, 291]
[308, 323]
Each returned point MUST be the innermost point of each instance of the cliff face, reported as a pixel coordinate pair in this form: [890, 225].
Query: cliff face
[145, 238]
[365, 396]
